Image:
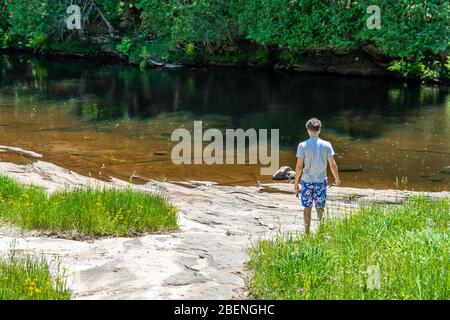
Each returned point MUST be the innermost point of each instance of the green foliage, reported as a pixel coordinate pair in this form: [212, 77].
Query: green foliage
[406, 68]
[139, 51]
[4, 39]
[114, 9]
[160, 49]
[419, 26]
[75, 46]
[202, 20]
[420, 68]
[3, 16]
[411, 30]
[157, 17]
[409, 243]
[447, 68]
[143, 55]
[34, 20]
[124, 47]
[262, 56]
[189, 49]
[90, 111]
[29, 278]
[85, 212]
[287, 57]
[297, 24]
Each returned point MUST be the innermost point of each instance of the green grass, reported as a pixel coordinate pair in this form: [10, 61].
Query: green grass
[86, 212]
[29, 278]
[409, 243]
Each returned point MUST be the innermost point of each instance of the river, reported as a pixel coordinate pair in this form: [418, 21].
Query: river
[114, 120]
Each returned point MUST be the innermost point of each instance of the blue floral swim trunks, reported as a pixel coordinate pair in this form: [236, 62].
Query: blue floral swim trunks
[313, 192]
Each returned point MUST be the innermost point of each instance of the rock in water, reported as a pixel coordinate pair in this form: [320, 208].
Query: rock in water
[291, 174]
[283, 173]
[351, 169]
[435, 178]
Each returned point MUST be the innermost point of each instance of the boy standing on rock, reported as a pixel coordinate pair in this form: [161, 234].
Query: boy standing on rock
[311, 171]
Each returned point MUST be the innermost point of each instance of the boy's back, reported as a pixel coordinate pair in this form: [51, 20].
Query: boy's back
[315, 153]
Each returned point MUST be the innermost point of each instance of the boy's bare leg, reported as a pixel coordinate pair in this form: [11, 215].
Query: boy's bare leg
[307, 218]
[320, 213]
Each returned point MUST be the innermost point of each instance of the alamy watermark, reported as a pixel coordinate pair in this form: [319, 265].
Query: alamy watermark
[73, 21]
[374, 21]
[373, 278]
[229, 150]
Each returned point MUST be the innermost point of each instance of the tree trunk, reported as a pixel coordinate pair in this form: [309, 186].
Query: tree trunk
[102, 15]
[444, 57]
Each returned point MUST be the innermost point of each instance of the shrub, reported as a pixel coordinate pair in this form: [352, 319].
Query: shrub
[86, 212]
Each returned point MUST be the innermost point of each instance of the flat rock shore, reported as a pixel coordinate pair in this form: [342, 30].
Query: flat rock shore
[204, 260]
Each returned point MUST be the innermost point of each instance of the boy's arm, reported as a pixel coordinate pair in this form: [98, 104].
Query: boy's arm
[298, 173]
[334, 170]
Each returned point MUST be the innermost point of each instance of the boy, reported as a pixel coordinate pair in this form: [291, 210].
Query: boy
[312, 157]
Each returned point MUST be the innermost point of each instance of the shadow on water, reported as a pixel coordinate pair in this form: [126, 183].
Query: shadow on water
[358, 111]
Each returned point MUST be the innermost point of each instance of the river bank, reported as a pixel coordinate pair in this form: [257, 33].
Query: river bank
[350, 63]
[205, 260]
[310, 36]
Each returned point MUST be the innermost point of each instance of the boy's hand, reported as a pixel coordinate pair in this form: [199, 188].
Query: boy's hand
[337, 182]
[296, 189]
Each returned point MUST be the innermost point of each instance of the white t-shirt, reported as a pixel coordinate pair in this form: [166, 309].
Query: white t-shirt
[315, 153]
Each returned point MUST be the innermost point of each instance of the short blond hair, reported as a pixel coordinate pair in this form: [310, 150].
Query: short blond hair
[314, 124]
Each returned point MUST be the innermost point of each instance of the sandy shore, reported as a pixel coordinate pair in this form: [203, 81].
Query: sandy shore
[205, 260]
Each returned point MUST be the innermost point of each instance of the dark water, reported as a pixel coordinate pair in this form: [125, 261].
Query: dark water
[110, 119]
